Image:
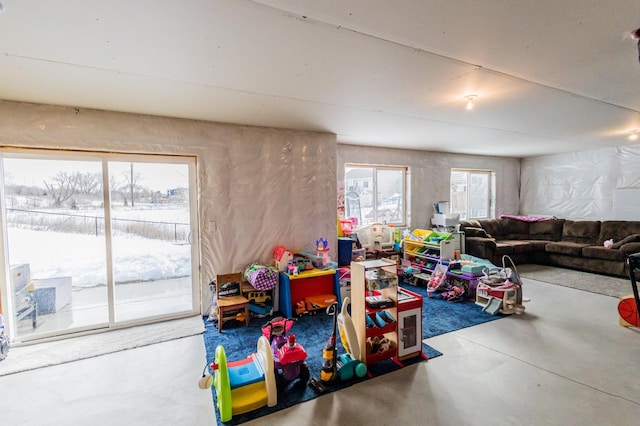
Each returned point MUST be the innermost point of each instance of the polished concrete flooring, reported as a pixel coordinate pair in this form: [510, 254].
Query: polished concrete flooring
[565, 361]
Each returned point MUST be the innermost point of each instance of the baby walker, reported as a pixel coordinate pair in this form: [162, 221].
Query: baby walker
[500, 290]
[289, 356]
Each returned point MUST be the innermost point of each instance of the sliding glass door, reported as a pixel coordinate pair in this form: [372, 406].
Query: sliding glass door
[151, 233]
[96, 241]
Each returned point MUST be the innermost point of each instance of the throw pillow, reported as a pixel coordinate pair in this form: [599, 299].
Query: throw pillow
[628, 239]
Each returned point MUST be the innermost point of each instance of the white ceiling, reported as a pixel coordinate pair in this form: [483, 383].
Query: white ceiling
[551, 76]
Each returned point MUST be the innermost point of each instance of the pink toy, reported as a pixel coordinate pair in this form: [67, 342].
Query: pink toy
[289, 356]
[292, 267]
[322, 251]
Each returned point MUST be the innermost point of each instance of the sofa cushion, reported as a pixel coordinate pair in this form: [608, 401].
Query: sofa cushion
[550, 230]
[513, 229]
[492, 226]
[565, 247]
[617, 230]
[502, 249]
[601, 252]
[537, 245]
[513, 246]
[584, 232]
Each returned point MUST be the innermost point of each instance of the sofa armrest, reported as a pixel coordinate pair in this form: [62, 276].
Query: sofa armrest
[470, 231]
[633, 238]
[480, 247]
[630, 248]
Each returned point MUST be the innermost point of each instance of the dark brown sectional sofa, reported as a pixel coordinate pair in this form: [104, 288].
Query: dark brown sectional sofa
[575, 244]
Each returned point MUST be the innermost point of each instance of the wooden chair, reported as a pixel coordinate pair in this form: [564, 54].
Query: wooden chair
[229, 306]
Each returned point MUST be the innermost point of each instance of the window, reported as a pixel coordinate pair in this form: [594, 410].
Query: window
[96, 240]
[375, 194]
[472, 193]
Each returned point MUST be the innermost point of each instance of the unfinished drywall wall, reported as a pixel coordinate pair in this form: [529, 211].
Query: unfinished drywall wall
[580, 185]
[430, 173]
[262, 187]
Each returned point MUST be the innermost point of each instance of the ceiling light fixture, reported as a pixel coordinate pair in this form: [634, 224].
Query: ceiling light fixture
[633, 134]
[470, 99]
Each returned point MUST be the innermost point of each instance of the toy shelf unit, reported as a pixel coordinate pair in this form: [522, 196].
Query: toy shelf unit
[374, 309]
[424, 248]
[308, 292]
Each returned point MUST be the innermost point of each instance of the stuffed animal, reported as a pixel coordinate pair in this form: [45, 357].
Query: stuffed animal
[608, 243]
[384, 345]
[377, 345]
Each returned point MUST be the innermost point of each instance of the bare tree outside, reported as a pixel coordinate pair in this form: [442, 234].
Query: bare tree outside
[61, 188]
[132, 182]
[89, 183]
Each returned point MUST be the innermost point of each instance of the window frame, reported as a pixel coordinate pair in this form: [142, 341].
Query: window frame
[373, 188]
[491, 174]
[104, 158]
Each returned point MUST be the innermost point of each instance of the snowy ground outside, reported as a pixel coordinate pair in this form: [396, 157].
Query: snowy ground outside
[53, 254]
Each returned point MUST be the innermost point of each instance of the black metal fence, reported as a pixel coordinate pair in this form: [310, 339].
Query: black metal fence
[91, 224]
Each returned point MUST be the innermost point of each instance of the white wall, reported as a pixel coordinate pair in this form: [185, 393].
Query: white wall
[581, 185]
[262, 187]
[430, 174]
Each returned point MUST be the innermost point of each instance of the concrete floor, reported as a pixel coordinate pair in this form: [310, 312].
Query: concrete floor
[566, 361]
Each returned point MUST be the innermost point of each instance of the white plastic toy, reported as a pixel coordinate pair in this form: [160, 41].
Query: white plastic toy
[376, 236]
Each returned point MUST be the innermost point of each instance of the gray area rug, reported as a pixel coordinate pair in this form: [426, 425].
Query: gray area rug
[29, 357]
[595, 283]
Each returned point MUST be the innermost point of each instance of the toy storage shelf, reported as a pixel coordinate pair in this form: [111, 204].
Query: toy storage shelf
[375, 320]
[308, 283]
[424, 254]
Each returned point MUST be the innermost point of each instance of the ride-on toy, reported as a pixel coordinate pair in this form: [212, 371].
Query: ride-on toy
[244, 385]
[289, 356]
